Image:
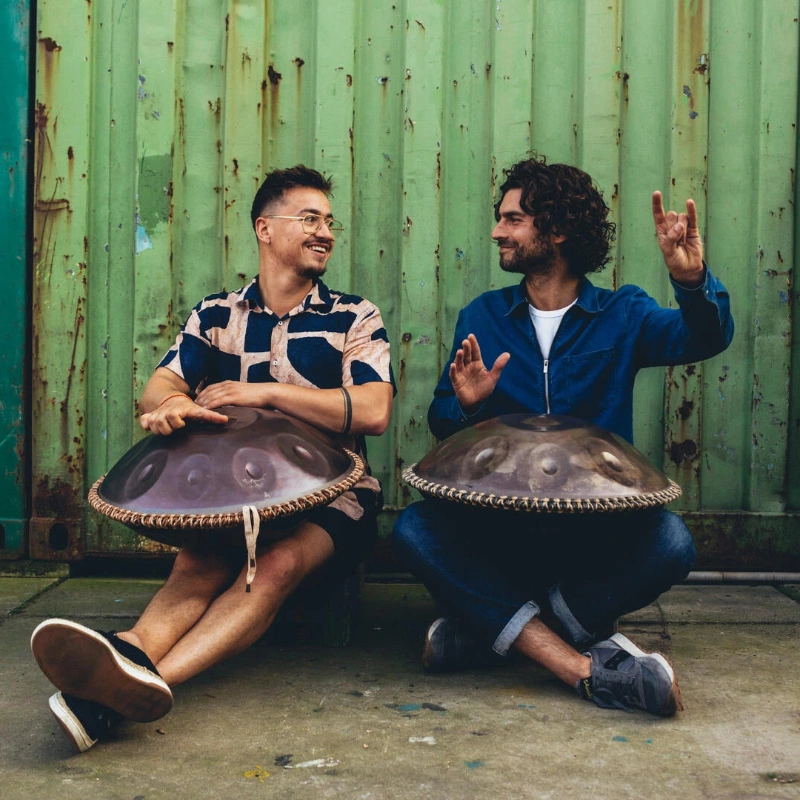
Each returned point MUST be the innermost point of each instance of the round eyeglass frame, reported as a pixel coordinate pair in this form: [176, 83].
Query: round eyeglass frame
[311, 222]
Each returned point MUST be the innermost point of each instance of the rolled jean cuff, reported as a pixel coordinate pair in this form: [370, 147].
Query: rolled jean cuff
[514, 627]
[577, 632]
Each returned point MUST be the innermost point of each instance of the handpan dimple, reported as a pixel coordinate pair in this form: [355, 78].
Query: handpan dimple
[196, 477]
[253, 471]
[302, 453]
[549, 466]
[146, 474]
[486, 457]
[542, 463]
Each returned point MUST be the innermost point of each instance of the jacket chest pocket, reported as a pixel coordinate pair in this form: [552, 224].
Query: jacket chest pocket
[591, 382]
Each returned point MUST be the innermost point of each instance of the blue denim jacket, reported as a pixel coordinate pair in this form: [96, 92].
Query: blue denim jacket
[602, 342]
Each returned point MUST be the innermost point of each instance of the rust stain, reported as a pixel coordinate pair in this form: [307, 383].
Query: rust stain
[50, 45]
[680, 452]
[55, 497]
[685, 411]
[274, 77]
[299, 62]
[49, 206]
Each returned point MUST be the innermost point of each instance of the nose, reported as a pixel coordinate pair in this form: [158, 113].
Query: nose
[324, 231]
[496, 231]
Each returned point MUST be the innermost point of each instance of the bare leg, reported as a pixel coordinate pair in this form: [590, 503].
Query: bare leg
[236, 619]
[538, 642]
[197, 578]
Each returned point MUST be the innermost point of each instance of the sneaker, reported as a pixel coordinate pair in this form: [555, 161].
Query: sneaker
[83, 721]
[625, 677]
[448, 647]
[101, 667]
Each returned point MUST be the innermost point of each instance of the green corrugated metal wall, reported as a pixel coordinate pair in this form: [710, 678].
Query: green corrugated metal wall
[155, 122]
[14, 34]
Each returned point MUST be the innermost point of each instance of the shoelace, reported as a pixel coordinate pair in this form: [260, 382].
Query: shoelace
[252, 523]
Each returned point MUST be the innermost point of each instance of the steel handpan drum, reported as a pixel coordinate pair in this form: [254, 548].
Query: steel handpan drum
[205, 476]
[549, 463]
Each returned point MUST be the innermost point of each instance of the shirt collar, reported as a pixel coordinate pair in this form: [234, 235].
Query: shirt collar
[319, 298]
[587, 298]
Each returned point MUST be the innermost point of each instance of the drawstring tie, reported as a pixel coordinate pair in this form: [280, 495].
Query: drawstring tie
[252, 522]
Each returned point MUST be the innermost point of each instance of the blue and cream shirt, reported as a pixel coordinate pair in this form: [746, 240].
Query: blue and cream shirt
[328, 340]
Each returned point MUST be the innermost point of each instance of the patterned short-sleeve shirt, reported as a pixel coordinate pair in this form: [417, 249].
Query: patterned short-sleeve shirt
[330, 339]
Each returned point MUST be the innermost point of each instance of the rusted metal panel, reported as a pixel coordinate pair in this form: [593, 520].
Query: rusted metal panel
[14, 136]
[157, 122]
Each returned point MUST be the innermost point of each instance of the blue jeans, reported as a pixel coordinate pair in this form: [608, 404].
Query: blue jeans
[496, 570]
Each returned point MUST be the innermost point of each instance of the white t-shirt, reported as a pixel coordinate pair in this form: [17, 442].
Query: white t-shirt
[546, 324]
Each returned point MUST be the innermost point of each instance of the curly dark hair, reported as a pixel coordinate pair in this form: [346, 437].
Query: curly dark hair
[281, 180]
[563, 200]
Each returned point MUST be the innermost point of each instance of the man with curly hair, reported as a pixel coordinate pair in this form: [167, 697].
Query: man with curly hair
[552, 586]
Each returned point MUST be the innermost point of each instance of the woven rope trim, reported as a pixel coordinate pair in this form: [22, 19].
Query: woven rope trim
[228, 519]
[542, 504]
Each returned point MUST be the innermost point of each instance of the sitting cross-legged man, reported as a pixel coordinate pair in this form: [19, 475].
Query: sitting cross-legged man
[551, 586]
[286, 342]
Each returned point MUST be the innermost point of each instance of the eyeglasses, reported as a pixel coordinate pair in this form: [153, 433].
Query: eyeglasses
[312, 222]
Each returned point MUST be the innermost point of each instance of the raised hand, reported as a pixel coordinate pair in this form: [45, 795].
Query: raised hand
[472, 382]
[680, 242]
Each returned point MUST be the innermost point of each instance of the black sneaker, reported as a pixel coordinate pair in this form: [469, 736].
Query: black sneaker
[448, 647]
[625, 677]
[98, 666]
[83, 721]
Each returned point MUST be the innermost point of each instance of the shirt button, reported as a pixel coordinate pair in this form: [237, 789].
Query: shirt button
[275, 363]
[280, 322]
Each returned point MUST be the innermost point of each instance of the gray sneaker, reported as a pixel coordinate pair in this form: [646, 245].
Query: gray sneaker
[623, 676]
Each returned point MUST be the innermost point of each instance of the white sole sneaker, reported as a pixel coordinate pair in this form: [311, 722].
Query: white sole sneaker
[70, 724]
[626, 644]
[83, 663]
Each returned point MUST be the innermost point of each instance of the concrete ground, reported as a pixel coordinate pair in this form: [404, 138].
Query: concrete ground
[306, 721]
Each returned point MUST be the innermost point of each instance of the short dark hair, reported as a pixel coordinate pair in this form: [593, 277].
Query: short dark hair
[563, 200]
[281, 180]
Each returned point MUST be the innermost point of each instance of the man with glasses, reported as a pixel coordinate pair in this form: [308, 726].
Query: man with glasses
[288, 342]
[550, 587]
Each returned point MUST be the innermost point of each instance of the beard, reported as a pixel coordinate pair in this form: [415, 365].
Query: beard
[309, 273]
[535, 259]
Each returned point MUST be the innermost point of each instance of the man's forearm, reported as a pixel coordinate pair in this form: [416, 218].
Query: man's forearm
[162, 383]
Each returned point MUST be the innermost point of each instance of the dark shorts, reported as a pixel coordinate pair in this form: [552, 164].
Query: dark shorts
[353, 540]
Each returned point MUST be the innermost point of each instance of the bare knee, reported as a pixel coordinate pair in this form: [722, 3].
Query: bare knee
[203, 572]
[280, 570]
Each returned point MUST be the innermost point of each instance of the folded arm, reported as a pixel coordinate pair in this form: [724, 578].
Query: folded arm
[371, 403]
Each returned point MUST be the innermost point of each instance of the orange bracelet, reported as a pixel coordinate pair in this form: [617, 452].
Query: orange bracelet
[170, 396]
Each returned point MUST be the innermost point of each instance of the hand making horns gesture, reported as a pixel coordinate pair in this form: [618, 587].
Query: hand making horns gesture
[680, 242]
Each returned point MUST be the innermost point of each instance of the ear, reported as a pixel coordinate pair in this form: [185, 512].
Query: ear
[557, 238]
[263, 230]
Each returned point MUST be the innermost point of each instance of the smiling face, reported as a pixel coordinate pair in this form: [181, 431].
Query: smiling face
[522, 248]
[289, 245]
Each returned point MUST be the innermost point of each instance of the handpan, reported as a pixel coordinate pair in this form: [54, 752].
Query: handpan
[210, 477]
[549, 463]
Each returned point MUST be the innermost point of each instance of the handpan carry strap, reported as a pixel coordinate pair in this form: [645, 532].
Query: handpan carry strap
[252, 523]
